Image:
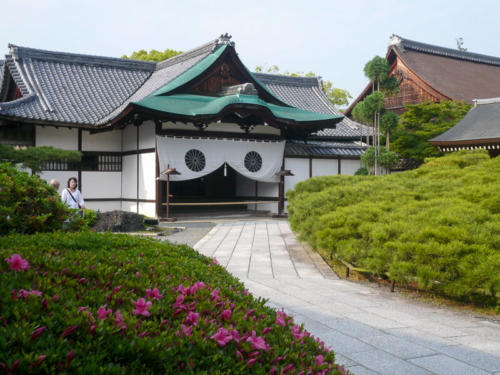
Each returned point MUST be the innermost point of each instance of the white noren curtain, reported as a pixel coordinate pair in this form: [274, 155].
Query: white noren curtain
[172, 152]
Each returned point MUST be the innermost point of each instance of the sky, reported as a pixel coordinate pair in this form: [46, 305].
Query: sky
[333, 39]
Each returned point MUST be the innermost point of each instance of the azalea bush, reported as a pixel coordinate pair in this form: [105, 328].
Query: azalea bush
[27, 203]
[87, 303]
[436, 227]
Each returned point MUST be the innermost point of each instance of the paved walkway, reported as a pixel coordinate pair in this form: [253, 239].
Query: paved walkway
[371, 330]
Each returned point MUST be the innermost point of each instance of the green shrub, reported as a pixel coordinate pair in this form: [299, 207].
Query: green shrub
[27, 203]
[437, 226]
[77, 309]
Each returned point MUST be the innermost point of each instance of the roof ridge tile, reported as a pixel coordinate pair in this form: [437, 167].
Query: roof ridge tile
[443, 51]
[77, 58]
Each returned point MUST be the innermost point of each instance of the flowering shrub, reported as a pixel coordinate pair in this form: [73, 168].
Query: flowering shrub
[27, 203]
[103, 303]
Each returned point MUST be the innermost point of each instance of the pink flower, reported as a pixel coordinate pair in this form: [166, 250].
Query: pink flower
[137, 274]
[119, 320]
[319, 360]
[155, 293]
[70, 357]
[266, 330]
[280, 318]
[141, 307]
[17, 263]
[68, 331]
[185, 331]
[222, 337]
[215, 295]
[226, 314]
[102, 313]
[215, 261]
[296, 332]
[37, 332]
[179, 301]
[250, 362]
[257, 341]
[192, 318]
[235, 335]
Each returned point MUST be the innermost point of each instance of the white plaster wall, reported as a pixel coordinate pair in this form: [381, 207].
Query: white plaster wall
[129, 138]
[110, 141]
[245, 187]
[104, 206]
[324, 167]
[101, 184]
[129, 173]
[147, 176]
[349, 167]
[64, 138]
[147, 133]
[147, 209]
[129, 206]
[61, 176]
[267, 189]
[300, 168]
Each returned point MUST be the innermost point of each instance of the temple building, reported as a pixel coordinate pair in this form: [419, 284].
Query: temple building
[480, 128]
[195, 131]
[431, 73]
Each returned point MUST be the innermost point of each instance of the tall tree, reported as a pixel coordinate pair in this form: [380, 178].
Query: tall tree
[372, 107]
[337, 96]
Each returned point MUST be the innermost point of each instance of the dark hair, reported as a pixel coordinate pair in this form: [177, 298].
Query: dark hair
[73, 178]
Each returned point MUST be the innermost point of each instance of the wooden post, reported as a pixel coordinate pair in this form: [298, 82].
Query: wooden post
[168, 172]
[281, 196]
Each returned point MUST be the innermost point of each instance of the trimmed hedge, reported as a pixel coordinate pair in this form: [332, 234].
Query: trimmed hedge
[88, 303]
[437, 226]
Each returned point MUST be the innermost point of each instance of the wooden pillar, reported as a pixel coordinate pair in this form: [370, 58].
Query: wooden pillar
[80, 164]
[339, 170]
[310, 167]
[137, 171]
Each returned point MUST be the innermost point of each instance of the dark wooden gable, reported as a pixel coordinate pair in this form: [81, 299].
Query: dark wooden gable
[227, 71]
[9, 90]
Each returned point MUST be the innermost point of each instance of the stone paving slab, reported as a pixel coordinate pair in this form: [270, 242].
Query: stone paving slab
[372, 331]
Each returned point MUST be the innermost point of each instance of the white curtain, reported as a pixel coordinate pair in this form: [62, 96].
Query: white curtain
[172, 152]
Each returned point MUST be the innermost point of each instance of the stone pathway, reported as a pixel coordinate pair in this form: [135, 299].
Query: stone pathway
[372, 331]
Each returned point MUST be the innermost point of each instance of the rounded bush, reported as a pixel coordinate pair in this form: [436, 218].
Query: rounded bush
[27, 203]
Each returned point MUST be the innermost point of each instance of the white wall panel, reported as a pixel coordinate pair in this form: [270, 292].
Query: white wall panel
[129, 206]
[129, 138]
[300, 168]
[268, 189]
[324, 167]
[349, 167]
[110, 141]
[147, 133]
[129, 174]
[104, 206]
[101, 184]
[147, 209]
[147, 176]
[61, 176]
[245, 187]
[64, 138]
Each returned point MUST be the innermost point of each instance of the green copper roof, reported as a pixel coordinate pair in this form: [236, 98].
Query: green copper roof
[198, 105]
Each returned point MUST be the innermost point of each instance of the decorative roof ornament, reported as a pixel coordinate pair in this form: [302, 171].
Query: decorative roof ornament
[243, 89]
[394, 40]
[225, 39]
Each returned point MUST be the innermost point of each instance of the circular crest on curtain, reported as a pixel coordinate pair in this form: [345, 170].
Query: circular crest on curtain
[253, 161]
[195, 160]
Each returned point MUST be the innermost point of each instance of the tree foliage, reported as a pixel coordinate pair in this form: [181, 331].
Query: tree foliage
[152, 55]
[337, 96]
[422, 122]
[376, 69]
[35, 158]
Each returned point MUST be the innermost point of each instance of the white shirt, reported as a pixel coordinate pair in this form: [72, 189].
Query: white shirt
[66, 198]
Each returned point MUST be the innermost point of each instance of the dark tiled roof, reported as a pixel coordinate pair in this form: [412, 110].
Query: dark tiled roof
[307, 93]
[406, 44]
[317, 148]
[482, 123]
[71, 88]
[456, 74]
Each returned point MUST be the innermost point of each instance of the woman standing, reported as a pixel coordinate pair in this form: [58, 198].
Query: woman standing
[72, 196]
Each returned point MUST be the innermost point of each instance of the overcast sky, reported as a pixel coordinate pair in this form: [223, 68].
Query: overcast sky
[332, 38]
